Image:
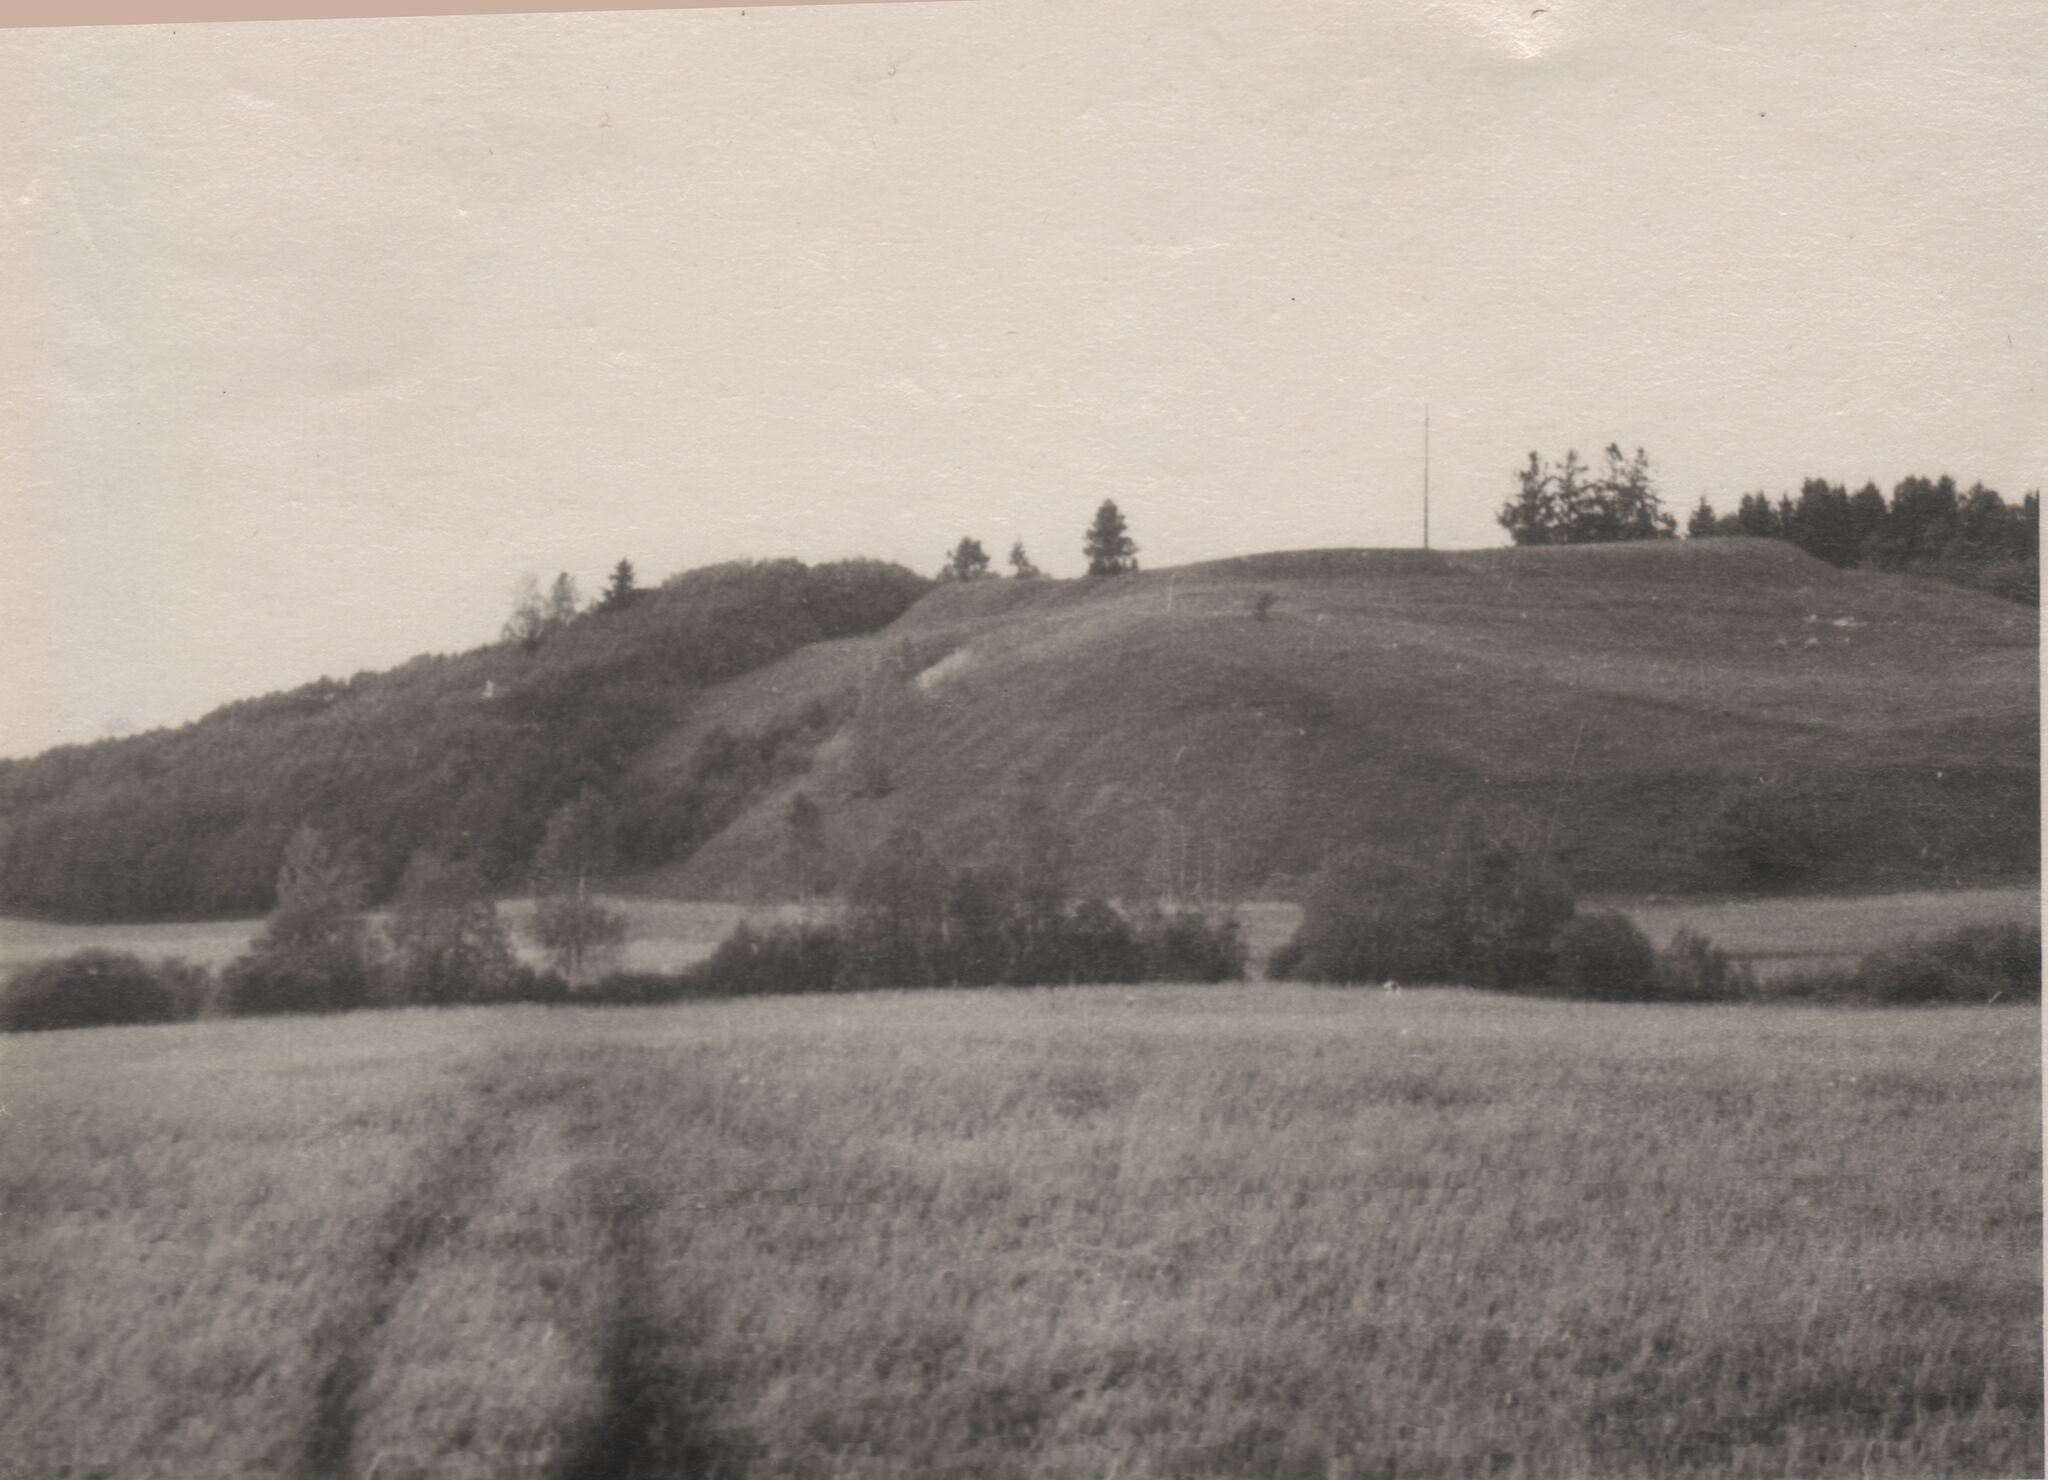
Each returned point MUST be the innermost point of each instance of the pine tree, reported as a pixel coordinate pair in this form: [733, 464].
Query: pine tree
[1569, 505]
[1021, 567]
[1109, 547]
[1531, 517]
[316, 953]
[1755, 516]
[1631, 509]
[621, 593]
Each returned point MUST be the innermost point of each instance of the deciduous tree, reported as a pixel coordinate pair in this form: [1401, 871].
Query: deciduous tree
[967, 561]
[574, 930]
[447, 943]
[535, 617]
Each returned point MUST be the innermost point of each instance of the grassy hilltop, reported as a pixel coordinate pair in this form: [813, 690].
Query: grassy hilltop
[1685, 716]
[1626, 691]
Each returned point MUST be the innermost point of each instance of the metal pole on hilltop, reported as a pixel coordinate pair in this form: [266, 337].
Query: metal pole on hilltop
[1425, 475]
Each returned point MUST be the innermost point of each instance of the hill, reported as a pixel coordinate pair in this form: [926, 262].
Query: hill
[466, 753]
[1680, 716]
[1657, 704]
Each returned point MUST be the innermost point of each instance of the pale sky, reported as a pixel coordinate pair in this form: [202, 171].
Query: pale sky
[318, 336]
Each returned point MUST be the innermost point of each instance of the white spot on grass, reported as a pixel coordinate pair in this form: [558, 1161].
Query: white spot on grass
[947, 667]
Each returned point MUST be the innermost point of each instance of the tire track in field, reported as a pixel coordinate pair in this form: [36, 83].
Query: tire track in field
[442, 1197]
[651, 1425]
[621, 1442]
[648, 1426]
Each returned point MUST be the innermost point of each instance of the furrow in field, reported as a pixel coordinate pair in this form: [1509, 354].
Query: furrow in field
[453, 1178]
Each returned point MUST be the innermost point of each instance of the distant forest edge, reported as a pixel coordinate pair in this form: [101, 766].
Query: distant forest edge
[1696, 715]
[1928, 527]
[1972, 537]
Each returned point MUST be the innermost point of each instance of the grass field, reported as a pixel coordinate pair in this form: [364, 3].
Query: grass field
[1165, 1231]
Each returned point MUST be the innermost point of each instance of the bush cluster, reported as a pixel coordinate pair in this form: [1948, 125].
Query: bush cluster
[98, 989]
[1487, 913]
[1772, 833]
[1976, 963]
[1496, 911]
[1504, 925]
[1090, 943]
[1693, 969]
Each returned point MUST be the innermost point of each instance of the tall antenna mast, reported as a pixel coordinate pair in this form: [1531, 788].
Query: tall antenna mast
[1425, 475]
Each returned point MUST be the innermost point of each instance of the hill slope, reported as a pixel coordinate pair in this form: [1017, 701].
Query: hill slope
[1871, 728]
[467, 754]
[1625, 693]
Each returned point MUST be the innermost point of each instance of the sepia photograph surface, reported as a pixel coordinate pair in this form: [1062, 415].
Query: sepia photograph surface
[1023, 738]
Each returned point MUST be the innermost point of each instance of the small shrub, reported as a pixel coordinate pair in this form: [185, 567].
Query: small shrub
[1501, 899]
[1913, 972]
[1100, 946]
[1817, 984]
[1285, 964]
[1693, 969]
[1977, 963]
[1190, 946]
[2009, 955]
[98, 988]
[445, 943]
[1366, 920]
[329, 977]
[1604, 956]
[522, 983]
[1973, 964]
[1486, 912]
[1770, 834]
[639, 988]
[1262, 606]
[577, 933]
[2014, 580]
[784, 958]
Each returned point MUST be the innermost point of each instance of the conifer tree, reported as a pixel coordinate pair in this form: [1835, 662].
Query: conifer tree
[1109, 547]
[621, 592]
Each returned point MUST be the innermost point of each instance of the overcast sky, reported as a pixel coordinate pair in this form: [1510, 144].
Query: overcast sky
[319, 336]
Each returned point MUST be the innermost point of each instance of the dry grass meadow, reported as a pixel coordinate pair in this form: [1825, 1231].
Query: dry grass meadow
[1164, 1231]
